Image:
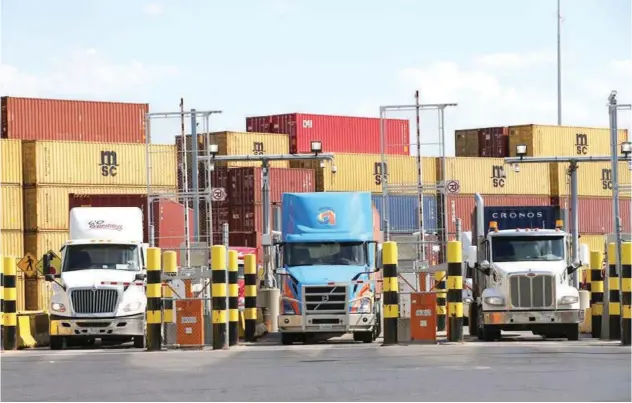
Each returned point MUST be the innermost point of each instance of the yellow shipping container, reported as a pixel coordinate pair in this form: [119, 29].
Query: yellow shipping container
[111, 164]
[39, 242]
[593, 178]
[244, 143]
[12, 243]
[493, 176]
[466, 143]
[11, 217]
[47, 207]
[567, 141]
[595, 242]
[10, 162]
[362, 172]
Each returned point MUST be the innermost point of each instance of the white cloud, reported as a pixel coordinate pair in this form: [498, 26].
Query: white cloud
[515, 60]
[154, 9]
[83, 73]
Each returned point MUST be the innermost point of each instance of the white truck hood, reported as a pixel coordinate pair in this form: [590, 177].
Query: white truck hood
[94, 278]
[556, 267]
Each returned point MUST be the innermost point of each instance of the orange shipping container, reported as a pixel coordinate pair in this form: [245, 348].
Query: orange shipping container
[10, 162]
[557, 141]
[68, 120]
[75, 163]
[491, 176]
[466, 143]
[11, 217]
[593, 178]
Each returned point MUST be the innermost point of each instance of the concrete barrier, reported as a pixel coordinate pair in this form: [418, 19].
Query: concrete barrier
[33, 329]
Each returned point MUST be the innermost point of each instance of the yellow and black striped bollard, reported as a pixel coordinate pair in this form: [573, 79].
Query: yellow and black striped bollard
[250, 300]
[233, 298]
[169, 267]
[455, 291]
[1, 297]
[218, 290]
[614, 304]
[390, 292]
[154, 300]
[10, 315]
[596, 292]
[626, 288]
[441, 299]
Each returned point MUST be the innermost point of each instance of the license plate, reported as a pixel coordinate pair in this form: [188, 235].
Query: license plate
[325, 327]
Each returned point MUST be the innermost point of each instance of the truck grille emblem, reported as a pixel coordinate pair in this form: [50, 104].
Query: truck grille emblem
[530, 274]
[325, 298]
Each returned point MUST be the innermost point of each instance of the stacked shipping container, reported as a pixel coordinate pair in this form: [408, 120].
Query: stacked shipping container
[11, 226]
[491, 142]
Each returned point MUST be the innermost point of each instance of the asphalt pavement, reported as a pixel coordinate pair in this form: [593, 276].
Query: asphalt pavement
[516, 369]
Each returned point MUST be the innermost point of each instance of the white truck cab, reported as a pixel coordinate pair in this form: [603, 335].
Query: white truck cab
[98, 292]
[521, 281]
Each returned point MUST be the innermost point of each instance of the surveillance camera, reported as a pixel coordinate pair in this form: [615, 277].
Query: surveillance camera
[334, 169]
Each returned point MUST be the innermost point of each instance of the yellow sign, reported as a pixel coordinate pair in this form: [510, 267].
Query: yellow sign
[27, 265]
[55, 263]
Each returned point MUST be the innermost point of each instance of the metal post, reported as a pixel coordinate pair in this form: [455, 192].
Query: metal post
[250, 300]
[185, 186]
[614, 300]
[574, 221]
[170, 267]
[440, 280]
[265, 198]
[1, 297]
[458, 229]
[385, 207]
[154, 300]
[626, 294]
[615, 181]
[420, 194]
[390, 292]
[596, 292]
[455, 291]
[10, 338]
[218, 278]
[194, 178]
[444, 194]
[233, 298]
[559, 64]
[226, 243]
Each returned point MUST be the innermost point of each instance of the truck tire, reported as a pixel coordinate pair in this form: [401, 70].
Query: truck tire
[473, 320]
[287, 338]
[486, 332]
[139, 341]
[364, 337]
[57, 343]
[572, 332]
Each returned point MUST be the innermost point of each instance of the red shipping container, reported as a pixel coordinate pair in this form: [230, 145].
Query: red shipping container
[595, 214]
[68, 120]
[245, 184]
[249, 217]
[462, 206]
[249, 239]
[343, 134]
[493, 142]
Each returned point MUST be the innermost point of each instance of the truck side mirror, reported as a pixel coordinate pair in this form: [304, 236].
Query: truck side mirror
[378, 258]
[572, 268]
[140, 277]
[484, 267]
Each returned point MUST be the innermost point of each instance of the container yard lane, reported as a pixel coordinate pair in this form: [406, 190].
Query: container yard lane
[341, 370]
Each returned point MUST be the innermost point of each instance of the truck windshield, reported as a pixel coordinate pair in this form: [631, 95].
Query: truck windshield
[324, 253]
[526, 248]
[101, 256]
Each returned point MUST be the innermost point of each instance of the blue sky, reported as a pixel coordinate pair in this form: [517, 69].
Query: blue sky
[250, 57]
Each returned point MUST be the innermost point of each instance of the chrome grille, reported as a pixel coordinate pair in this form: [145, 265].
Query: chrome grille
[532, 292]
[94, 300]
[325, 299]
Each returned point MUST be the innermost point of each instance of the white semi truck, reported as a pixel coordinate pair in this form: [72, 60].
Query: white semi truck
[98, 290]
[521, 281]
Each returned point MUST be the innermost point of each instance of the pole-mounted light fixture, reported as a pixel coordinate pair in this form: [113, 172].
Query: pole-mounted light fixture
[521, 150]
[626, 148]
[317, 147]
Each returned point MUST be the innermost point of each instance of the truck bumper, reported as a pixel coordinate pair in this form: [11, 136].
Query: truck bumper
[327, 323]
[98, 327]
[533, 317]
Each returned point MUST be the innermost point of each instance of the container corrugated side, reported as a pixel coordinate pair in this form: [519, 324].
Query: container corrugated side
[12, 243]
[75, 163]
[37, 294]
[10, 162]
[363, 172]
[493, 142]
[245, 183]
[466, 143]
[595, 242]
[19, 291]
[39, 242]
[462, 206]
[168, 221]
[493, 176]
[11, 216]
[339, 134]
[555, 141]
[403, 212]
[47, 207]
[72, 120]
[595, 214]
[594, 179]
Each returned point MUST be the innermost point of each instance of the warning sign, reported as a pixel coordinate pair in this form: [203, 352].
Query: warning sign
[27, 265]
[55, 264]
[453, 186]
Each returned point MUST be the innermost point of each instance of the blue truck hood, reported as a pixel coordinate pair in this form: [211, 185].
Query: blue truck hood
[311, 275]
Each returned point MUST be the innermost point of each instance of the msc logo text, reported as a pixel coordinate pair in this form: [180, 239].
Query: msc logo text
[606, 179]
[257, 148]
[378, 174]
[581, 143]
[109, 163]
[498, 176]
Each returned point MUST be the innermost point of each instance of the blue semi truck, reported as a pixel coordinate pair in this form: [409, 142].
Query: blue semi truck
[329, 273]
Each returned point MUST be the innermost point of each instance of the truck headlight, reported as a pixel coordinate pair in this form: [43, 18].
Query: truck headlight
[568, 300]
[132, 306]
[495, 301]
[57, 307]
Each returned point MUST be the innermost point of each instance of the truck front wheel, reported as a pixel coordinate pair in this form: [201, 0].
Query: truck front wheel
[572, 332]
[364, 337]
[57, 343]
[473, 320]
[287, 338]
[486, 332]
[139, 341]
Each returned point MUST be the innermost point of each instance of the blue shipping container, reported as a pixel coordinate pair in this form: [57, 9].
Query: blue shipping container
[510, 217]
[404, 212]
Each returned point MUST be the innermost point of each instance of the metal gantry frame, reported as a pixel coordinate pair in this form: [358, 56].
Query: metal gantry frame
[420, 186]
